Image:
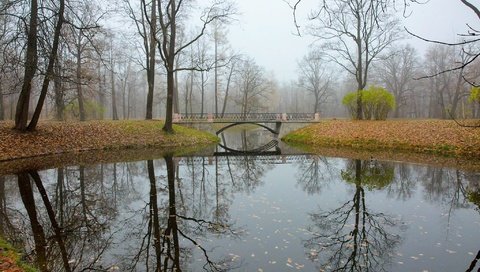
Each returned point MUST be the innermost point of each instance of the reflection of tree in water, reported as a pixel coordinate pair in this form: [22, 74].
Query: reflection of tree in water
[353, 237]
[175, 231]
[72, 223]
[313, 172]
[404, 183]
[71, 241]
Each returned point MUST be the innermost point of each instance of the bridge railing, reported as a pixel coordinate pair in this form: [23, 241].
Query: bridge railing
[236, 117]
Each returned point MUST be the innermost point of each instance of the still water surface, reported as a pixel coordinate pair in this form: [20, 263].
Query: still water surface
[245, 212]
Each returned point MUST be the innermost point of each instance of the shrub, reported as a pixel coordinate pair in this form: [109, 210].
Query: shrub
[377, 102]
[350, 101]
[474, 95]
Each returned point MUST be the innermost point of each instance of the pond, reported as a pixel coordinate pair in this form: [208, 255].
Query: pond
[248, 209]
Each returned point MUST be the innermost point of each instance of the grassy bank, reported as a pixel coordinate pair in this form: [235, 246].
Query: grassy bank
[10, 259]
[74, 137]
[442, 137]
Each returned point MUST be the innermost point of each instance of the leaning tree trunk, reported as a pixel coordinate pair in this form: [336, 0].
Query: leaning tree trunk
[49, 73]
[31, 62]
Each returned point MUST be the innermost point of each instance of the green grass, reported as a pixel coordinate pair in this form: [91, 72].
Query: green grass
[8, 251]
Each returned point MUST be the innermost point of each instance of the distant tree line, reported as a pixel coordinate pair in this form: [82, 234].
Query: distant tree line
[68, 60]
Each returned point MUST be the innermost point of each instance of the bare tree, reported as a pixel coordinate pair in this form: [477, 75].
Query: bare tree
[353, 34]
[315, 78]
[146, 25]
[446, 89]
[169, 16]
[397, 71]
[253, 86]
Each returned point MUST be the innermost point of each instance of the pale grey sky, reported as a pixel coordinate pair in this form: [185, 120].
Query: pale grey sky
[265, 30]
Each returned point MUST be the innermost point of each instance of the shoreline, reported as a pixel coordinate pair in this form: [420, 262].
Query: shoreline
[57, 138]
[427, 137]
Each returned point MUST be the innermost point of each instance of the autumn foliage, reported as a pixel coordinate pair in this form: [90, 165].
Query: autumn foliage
[443, 137]
[64, 137]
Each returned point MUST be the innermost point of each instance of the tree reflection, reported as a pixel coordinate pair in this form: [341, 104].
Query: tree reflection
[62, 240]
[176, 230]
[404, 184]
[313, 172]
[353, 237]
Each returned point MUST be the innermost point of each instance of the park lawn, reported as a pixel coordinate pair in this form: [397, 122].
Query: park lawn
[442, 137]
[53, 137]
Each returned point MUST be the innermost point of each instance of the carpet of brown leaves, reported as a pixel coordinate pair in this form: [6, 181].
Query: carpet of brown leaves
[66, 137]
[443, 137]
[8, 265]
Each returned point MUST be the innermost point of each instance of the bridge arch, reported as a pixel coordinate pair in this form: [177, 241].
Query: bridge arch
[253, 123]
[256, 151]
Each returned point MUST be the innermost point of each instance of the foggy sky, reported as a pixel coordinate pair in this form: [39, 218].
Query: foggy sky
[265, 30]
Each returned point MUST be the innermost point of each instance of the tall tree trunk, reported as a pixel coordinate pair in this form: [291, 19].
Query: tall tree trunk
[81, 107]
[150, 49]
[216, 72]
[202, 94]
[192, 74]
[102, 88]
[124, 99]
[59, 93]
[168, 126]
[186, 96]
[227, 89]
[49, 73]
[31, 62]
[169, 52]
[114, 98]
[359, 70]
[176, 106]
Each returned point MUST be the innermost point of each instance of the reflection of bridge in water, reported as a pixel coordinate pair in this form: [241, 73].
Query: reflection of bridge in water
[265, 159]
[259, 119]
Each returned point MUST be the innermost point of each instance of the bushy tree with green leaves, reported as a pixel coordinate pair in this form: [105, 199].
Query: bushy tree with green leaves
[474, 95]
[377, 102]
